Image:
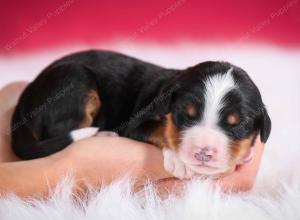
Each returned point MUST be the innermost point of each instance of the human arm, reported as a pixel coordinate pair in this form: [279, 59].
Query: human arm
[99, 160]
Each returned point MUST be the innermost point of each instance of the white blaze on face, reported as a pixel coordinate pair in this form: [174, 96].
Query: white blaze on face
[205, 137]
[216, 88]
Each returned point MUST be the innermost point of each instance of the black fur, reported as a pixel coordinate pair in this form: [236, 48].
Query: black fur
[135, 96]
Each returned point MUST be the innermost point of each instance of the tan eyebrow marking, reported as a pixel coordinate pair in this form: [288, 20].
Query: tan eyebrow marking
[191, 110]
[233, 118]
[239, 148]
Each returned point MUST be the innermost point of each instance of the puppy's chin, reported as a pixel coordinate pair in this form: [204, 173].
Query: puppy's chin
[208, 171]
[205, 169]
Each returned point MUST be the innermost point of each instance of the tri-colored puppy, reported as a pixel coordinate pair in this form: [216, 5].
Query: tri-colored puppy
[205, 118]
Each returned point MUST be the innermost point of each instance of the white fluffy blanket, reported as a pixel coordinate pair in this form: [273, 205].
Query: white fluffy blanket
[276, 194]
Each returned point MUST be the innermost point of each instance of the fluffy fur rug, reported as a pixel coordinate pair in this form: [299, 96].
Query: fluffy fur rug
[276, 194]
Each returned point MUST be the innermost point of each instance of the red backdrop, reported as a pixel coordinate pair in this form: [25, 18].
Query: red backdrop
[29, 24]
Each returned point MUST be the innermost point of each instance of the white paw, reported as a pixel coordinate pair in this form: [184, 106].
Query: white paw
[83, 133]
[107, 134]
[174, 165]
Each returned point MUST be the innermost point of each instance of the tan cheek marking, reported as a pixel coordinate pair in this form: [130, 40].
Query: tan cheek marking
[172, 133]
[239, 148]
[190, 110]
[157, 137]
[233, 119]
[92, 107]
[166, 135]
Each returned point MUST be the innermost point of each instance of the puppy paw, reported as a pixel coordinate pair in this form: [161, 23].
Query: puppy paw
[174, 165]
[107, 134]
[83, 133]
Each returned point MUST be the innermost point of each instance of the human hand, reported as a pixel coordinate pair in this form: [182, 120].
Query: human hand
[98, 161]
[104, 159]
[243, 177]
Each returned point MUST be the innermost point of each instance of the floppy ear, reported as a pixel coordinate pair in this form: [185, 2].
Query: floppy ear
[264, 125]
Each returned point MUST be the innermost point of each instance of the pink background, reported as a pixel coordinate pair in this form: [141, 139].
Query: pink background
[58, 22]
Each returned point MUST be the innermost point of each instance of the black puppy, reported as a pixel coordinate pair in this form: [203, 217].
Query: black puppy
[205, 118]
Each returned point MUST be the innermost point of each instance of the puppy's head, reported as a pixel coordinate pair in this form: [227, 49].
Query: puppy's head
[214, 116]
